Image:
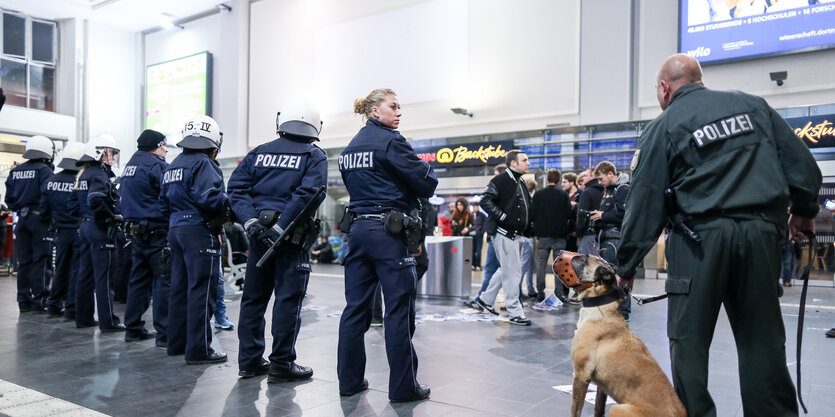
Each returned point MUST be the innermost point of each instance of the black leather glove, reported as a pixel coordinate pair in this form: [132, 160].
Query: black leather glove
[165, 254]
[258, 231]
[114, 224]
[215, 224]
[271, 235]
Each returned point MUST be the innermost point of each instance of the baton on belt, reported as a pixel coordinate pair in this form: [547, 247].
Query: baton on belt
[291, 227]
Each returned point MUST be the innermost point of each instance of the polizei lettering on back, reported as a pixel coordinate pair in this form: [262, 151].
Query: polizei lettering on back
[130, 171]
[356, 160]
[63, 187]
[23, 175]
[266, 160]
[723, 129]
[172, 176]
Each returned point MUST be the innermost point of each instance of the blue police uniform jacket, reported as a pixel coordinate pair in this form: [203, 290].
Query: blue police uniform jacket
[280, 175]
[382, 171]
[61, 201]
[97, 194]
[24, 185]
[140, 188]
[192, 190]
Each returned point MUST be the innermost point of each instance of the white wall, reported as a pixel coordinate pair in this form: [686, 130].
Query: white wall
[522, 65]
[112, 101]
[218, 34]
[605, 61]
[811, 80]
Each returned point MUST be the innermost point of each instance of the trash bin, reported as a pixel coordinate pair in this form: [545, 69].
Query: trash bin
[450, 267]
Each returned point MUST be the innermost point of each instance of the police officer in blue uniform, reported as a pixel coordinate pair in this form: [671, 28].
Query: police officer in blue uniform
[97, 197]
[147, 229]
[62, 203]
[24, 195]
[384, 178]
[270, 188]
[194, 196]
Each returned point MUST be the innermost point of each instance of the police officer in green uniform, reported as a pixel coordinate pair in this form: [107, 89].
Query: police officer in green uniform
[734, 165]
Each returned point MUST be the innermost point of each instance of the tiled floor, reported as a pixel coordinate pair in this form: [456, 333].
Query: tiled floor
[473, 368]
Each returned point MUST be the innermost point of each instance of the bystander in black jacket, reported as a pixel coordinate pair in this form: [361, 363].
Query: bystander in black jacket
[613, 203]
[551, 212]
[507, 203]
[589, 200]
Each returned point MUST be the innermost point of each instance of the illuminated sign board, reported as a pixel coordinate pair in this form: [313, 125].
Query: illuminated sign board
[466, 154]
[815, 131]
[176, 91]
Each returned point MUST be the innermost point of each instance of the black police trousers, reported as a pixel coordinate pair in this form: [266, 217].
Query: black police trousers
[62, 292]
[736, 265]
[286, 275]
[195, 270]
[96, 257]
[376, 256]
[149, 275]
[32, 257]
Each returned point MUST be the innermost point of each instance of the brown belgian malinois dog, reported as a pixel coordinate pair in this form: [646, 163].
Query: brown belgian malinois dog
[606, 352]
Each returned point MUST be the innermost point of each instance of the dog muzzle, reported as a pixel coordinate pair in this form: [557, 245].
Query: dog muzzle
[564, 268]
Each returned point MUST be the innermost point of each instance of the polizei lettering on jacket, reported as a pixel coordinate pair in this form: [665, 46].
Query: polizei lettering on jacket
[172, 176]
[356, 160]
[731, 127]
[61, 187]
[266, 160]
[130, 171]
[23, 175]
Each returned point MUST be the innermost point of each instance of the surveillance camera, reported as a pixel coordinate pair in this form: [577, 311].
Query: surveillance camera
[779, 77]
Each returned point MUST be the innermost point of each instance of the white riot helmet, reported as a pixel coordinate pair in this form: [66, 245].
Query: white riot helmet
[300, 118]
[73, 151]
[39, 147]
[201, 132]
[103, 145]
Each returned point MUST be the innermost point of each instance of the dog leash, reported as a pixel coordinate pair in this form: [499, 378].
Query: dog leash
[642, 301]
[813, 246]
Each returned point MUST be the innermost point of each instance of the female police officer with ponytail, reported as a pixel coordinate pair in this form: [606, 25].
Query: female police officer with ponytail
[192, 192]
[384, 178]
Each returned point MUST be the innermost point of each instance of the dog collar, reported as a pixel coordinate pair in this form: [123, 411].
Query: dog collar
[606, 298]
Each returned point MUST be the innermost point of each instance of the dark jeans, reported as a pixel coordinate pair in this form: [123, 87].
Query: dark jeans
[788, 261]
[548, 245]
[491, 264]
[478, 243]
[609, 253]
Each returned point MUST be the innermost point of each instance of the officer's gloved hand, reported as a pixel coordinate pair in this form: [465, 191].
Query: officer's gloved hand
[254, 229]
[165, 254]
[117, 221]
[270, 236]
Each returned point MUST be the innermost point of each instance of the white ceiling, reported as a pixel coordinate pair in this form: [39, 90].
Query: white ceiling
[130, 15]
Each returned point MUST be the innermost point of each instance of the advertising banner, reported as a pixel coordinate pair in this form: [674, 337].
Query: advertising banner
[177, 90]
[815, 131]
[722, 30]
[466, 154]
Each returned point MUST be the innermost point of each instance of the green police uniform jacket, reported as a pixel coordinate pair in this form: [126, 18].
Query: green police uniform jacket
[722, 152]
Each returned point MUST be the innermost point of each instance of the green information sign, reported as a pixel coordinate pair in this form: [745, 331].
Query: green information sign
[177, 90]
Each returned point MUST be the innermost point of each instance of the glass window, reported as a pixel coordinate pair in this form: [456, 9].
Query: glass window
[14, 82]
[43, 37]
[28, 57]
[14, 34]
[42, 93]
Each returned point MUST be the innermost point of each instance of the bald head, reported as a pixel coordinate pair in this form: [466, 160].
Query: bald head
[677, 71]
